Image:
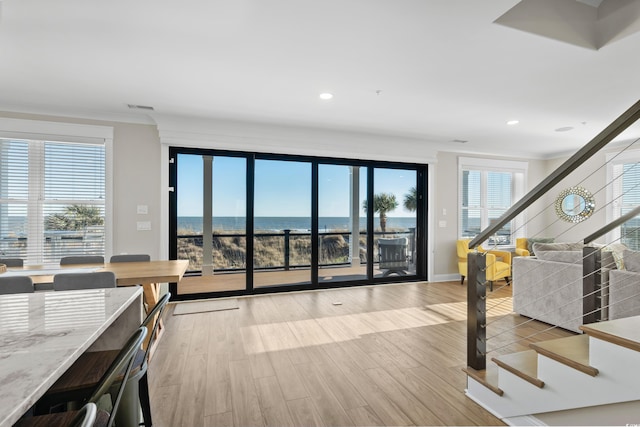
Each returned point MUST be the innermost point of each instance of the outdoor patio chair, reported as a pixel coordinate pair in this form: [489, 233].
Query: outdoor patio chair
[392, 256]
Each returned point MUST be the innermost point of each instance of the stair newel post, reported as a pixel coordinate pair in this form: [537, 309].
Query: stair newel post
[476, 311]
[591, 285]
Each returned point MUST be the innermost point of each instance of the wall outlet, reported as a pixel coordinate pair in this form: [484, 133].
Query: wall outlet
[143, 225]
[442, 224]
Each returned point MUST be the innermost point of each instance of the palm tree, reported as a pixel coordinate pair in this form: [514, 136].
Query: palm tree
[382, 203]
[411, 200]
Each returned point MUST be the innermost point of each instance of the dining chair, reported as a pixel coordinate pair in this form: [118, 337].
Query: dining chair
[16, 285]
[116, 375]
[82, 259]
[86, 371]
[75, 281]
[86, 416]
[12, 262]
[130, 258]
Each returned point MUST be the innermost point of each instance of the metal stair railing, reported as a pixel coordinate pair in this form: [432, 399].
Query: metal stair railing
[476, 261]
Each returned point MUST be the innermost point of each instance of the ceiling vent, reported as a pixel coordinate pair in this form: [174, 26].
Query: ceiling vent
[140, 107]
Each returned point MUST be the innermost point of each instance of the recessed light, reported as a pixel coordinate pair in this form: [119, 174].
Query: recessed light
[513, 122]
[326, 96]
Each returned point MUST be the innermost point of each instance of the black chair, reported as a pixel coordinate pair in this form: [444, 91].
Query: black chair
[392, 256]
[92, 363]
[86, 416]
[82, 259]
[75, 281]
[116, 375]
[130, 258]
[16, 285]
[12, 262]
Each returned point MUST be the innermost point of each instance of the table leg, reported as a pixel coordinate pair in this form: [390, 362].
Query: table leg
[151, 292]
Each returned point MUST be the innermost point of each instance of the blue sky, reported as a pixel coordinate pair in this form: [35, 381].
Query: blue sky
[282, 189]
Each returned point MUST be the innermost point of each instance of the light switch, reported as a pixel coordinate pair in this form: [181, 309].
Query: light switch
[442, 224]
[143, 209]
[143, 225]
[444, 212]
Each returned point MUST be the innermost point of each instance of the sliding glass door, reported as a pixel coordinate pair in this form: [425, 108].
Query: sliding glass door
[282, 223]
[250, 222]
[342, 231]
[394, 205]
[211, 222]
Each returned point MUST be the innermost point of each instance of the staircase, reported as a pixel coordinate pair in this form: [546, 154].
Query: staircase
[597, 368]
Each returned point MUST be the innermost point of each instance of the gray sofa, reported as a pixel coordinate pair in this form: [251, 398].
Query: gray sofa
[548, 287]
[624, 294]
[548, 291]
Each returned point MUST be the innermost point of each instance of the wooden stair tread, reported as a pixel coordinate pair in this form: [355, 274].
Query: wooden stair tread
[524, 364]
[624, 332]
[488, 378]
[571, 351]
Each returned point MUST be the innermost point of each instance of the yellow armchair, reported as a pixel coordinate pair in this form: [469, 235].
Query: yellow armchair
[496, 269]
[522, 247]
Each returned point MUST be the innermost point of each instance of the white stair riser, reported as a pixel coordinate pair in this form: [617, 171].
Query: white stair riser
[565, 387]
[612, 358]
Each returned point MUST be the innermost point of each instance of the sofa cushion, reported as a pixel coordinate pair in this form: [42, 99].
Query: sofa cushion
[631, 260]
[557, 247]
[532, 240]
[572, 257]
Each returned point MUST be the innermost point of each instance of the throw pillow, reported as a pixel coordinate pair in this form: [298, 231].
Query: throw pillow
[617, 250]
[570, 257]
[532, 240]
[631, 260]
[607, 260]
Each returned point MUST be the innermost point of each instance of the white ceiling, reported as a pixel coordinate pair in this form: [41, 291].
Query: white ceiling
[444, 70]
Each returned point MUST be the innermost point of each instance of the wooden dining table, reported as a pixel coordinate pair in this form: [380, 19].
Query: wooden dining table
[149, 274]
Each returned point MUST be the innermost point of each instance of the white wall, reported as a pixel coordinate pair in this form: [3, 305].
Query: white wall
[593, 177]
[137, 181]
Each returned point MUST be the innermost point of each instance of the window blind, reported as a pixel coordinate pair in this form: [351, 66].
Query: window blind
[626, 198]
[52, 199]
[487, 188]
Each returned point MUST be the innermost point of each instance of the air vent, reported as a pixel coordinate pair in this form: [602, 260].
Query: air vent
[140, 107]
[460, 141]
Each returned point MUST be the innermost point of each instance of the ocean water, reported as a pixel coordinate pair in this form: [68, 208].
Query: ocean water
[194, 224]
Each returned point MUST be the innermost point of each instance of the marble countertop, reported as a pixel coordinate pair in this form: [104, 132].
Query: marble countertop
[42, 334]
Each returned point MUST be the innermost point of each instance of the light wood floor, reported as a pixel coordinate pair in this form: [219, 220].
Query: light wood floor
[388, 355]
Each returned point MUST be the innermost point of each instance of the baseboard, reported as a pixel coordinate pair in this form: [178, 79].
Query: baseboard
[524, 420]
[445, 278]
